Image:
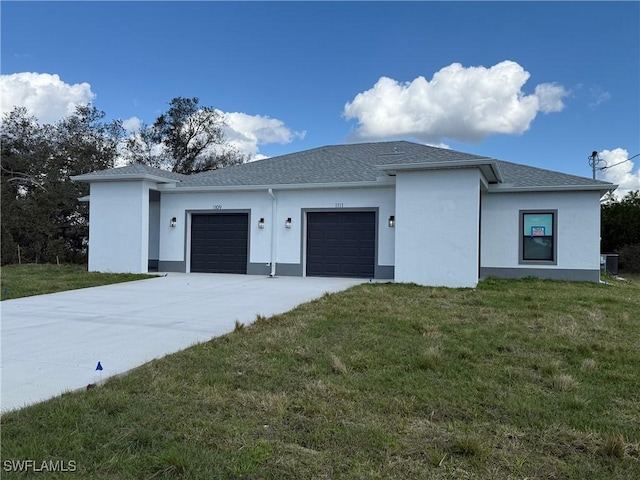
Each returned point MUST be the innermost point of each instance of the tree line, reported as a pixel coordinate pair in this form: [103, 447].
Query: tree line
[42, 219]
[620, 225]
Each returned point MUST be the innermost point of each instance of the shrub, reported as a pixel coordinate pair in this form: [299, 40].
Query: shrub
[629, 258]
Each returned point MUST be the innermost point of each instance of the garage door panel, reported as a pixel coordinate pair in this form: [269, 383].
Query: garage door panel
[341, 244]
[219, 243]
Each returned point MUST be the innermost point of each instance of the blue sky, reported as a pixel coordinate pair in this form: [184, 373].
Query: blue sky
[540, 83]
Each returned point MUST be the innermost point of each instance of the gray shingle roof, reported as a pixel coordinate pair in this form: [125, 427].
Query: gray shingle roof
[131, 170]
[352, 163]
[519, 175]
[331, 164]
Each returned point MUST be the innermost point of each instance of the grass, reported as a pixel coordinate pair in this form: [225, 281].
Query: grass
[28, 280]
[512, 380]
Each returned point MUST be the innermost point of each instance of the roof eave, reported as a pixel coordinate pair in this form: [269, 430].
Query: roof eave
[285, 186]
[489, 167]
[602, 188]
[122, 177]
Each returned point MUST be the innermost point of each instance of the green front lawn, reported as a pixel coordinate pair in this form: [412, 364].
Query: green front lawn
[28, 280]
[512, 380]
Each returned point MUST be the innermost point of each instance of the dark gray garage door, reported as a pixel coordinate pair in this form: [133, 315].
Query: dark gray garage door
[219, 243]
[341, 244]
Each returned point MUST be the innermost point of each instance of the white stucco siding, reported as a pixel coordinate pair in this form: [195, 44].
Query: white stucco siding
[578, 228]
[437, 220]
[294, 203]
[119, 227]
[174, 242]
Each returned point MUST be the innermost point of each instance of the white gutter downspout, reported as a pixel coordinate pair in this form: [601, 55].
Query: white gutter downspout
[274, 208]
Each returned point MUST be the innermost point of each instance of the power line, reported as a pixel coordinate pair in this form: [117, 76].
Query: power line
[595, 160]
[619, 163]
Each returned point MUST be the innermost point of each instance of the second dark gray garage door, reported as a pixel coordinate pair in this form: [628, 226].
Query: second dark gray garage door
[341, 244]
[219, 242]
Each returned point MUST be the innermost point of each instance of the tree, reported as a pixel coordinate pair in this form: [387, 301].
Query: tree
[620, 222]
[621, 229]
[41, 214]
[23, 146]
[186, 139]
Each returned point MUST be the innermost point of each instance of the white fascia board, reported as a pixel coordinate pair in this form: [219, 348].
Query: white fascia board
[496, 171]
[122, 177]
[492, 171]
[293, 186]
[503, 188]
[484, 183]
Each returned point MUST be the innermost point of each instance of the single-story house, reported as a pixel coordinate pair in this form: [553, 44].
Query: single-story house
[387, 210]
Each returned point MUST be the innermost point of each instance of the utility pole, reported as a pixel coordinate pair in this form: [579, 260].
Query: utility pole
[594, 160]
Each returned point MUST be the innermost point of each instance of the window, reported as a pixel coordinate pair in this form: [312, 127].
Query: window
[538, 236]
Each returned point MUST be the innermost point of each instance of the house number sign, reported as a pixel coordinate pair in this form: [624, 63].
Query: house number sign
[217, 207]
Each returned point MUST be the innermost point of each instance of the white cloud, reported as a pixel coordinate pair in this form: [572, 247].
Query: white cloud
[621, 172]
[550, 97]
[132, 124]
[247, 132]
[43, 95]
[591, 95]
[458, 103]
[598, 97]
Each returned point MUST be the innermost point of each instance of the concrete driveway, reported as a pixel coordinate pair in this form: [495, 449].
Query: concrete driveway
[53, 343]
